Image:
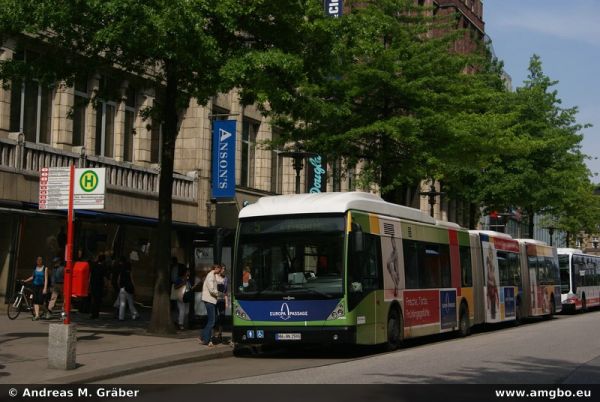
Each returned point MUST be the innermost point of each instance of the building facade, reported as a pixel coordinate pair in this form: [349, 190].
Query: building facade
[56, 126]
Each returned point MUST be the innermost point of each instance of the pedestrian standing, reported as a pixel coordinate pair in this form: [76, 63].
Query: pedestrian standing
[97, 277]
[222, 286]
[39, 277]
[58, 278]
[126, 290]
[209, 297]
[182, 286]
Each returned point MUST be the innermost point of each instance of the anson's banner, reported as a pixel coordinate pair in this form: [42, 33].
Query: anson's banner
[223, 159]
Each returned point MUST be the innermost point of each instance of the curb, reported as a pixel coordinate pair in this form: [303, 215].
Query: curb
[146, 365]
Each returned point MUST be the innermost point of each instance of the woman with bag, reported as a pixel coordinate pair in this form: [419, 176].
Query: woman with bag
[182, 288]
[126, 290]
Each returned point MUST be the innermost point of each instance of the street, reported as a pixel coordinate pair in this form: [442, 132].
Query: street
[564, 350]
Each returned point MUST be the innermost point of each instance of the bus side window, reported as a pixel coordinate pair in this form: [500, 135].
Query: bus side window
[465, 267]
[364, 268]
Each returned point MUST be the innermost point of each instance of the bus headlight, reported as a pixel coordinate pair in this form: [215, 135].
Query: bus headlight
[240, 313]
[338, 312]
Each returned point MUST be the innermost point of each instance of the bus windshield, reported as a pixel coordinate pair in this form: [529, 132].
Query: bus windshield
[292, 257]
[565, 277]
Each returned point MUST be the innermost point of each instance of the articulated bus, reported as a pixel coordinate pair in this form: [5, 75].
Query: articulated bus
[580, 279]
[352, 268]
[497, 275]
[541, 276]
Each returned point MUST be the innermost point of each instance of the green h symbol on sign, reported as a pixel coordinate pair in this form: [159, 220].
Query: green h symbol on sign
[88, 181]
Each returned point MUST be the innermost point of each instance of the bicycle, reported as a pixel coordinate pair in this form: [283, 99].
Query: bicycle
[22, 301]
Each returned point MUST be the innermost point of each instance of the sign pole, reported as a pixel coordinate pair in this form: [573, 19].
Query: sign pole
[69, 249]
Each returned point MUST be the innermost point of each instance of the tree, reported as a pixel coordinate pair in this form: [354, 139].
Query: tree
[541, 168]
[177, 47]
[380, 88]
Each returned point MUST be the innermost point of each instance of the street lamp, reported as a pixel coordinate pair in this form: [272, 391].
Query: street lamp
[432, 193]
[550, 232]
[298, 154]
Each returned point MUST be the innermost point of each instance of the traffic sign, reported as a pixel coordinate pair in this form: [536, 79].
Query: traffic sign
[90, 185]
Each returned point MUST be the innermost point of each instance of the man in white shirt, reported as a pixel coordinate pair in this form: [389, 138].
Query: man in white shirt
[210, 294]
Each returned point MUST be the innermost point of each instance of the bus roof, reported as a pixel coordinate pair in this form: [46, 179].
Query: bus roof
[533, 241]
[297, 204]
[492, 234]
[569, 251]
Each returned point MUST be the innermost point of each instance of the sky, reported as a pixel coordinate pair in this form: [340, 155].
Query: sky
[566, 35]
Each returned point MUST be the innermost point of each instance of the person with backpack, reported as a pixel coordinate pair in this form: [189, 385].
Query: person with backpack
[58, 278]
[39, 277]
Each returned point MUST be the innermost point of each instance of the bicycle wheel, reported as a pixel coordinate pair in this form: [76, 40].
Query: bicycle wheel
[27, 305]
[14, 308]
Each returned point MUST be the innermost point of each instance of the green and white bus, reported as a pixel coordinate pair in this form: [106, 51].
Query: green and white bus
[348, 268]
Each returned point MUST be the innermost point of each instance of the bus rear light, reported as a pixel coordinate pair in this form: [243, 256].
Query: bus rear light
[571, 299]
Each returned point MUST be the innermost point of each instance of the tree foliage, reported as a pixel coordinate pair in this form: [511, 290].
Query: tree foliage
[546, 170]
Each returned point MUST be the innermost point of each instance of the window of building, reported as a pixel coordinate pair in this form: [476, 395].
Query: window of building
[79, 109]
[155, 142]
[129, 125]
[105, 121]
[351, 179]
[31, 106]
[249, 132]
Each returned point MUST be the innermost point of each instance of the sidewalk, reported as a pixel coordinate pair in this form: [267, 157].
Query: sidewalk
[106, 348]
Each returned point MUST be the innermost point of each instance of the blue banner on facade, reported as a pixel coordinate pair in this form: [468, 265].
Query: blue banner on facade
[334, 8]
[223, 159]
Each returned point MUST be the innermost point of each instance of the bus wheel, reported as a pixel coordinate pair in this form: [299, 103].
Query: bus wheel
[463, 322]
[394, 330]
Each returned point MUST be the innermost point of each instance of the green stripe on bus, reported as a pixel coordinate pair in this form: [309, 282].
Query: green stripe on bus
[361, 219]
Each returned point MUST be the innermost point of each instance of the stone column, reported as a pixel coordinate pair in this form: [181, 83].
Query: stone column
[62, 342]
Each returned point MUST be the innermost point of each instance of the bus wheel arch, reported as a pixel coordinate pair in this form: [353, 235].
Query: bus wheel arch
[464, 327]
[395, 327]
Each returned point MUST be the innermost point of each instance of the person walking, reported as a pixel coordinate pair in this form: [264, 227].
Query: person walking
[126, 290]
[182, 286]
[39, 279]
[97, 276]
[58, 279]
[209, 297]
[222, 286]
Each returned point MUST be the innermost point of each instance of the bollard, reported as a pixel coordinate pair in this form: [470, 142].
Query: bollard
[62, 342]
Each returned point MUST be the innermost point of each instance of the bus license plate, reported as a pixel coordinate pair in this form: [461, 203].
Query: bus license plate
[288, 337]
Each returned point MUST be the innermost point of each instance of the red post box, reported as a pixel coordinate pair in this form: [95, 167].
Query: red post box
[81, 279]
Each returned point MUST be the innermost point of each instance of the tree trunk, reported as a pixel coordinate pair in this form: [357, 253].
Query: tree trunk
[531, 214]
[160, 322]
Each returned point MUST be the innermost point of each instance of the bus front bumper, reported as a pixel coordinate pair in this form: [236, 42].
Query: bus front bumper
[256, 335]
